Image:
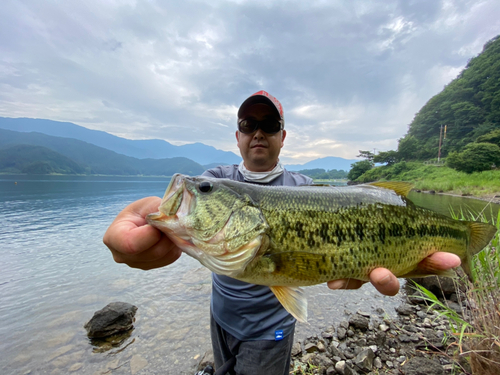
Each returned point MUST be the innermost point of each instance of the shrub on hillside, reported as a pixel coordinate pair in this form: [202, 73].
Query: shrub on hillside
[476, 157]
[358, 169]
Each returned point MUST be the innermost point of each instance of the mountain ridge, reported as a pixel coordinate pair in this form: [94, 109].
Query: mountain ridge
[140, 149]
[94, 159]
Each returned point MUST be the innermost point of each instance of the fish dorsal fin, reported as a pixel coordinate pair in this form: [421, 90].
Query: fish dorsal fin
[399, 187]
[293, 300]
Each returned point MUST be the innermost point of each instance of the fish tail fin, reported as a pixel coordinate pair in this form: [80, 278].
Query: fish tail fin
[399, 187]
[480, 235]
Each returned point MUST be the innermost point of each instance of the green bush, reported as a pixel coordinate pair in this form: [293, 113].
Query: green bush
[476, 157]
[359, 168]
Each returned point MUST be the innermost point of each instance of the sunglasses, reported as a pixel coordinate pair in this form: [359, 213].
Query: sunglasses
[250, 125]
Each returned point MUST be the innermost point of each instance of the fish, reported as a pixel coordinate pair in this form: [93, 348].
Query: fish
[289, 237]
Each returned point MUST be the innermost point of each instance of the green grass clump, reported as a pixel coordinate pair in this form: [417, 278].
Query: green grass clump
[479, 327]
[438, 178]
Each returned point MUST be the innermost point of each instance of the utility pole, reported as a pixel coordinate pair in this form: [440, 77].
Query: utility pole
[440, 139]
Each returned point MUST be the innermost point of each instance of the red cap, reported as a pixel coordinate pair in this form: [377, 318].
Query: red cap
[264, 98]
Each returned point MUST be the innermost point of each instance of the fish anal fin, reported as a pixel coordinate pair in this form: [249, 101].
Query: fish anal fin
[399, 187]
[293, 300]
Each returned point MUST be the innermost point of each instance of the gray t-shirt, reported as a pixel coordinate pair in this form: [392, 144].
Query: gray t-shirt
[248, 311]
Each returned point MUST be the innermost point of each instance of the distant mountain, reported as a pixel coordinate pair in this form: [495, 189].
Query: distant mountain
[92, 159]
[141, 149]
[36, 160]
[327, 163]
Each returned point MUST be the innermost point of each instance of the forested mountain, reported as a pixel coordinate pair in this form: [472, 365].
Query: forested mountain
[36, 160]
[141, 149]
[468, 107]
[36, 152]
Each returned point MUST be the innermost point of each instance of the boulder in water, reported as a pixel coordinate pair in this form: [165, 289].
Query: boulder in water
[115, 317]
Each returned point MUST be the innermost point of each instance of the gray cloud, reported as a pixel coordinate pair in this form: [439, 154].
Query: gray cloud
[350, 75]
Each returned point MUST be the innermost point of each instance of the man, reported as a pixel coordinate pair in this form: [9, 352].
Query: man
[251, 332]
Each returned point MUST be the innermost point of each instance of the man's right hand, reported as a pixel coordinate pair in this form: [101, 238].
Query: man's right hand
[134, 242]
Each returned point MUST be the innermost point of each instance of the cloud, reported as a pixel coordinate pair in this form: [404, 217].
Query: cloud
[350, 75]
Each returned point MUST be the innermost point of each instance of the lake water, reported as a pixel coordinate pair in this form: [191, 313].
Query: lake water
[55, 273]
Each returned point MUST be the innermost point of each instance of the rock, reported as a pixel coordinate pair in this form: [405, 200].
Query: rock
[440, 286]
[422, 366]
[348, 370]
[383, 327]
[364, 360]
[321, 361]
[296, 349]
[455, 307]
[311, 347]
[404, 309]
[363, 313]
[359, 321]
[340, 367]
[115, 317]
[321, 346]
[341, 333]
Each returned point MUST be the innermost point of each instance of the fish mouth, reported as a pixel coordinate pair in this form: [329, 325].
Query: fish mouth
[176, 203]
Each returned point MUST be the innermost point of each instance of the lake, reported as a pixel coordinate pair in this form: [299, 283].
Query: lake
[56, 272]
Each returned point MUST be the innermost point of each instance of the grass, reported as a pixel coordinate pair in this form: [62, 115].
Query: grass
[430, 177]
[484, 307]
[479, 327]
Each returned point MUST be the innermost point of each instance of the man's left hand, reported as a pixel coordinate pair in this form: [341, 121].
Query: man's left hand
[384, 280]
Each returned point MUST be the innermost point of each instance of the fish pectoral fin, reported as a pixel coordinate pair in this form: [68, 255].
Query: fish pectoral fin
[428, 267]
[293, 300]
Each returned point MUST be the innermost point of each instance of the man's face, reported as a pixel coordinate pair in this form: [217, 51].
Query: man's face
[259, 150]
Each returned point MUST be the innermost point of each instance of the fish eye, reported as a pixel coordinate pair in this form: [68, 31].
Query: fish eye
[205, 187]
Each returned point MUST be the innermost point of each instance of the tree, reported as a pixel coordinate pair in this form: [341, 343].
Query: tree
[367, 155]
[476, 157]
[468, 107]
[358, 168]
[491, 137]
[386, 157]
[408, 148]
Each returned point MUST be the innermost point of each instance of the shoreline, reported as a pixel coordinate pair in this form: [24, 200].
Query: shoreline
[490, 198]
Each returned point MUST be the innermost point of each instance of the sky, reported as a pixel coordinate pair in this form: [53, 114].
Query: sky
[351, 75]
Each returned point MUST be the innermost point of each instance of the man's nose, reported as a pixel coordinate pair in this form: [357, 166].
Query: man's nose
[259, 134]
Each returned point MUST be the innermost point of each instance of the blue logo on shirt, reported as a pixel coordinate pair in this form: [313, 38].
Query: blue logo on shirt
[278, 335]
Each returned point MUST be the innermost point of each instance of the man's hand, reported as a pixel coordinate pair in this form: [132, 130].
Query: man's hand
[134, 242]
[386, 283]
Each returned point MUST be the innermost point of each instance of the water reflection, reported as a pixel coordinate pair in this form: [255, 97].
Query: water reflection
[445, 204]
[101, 345]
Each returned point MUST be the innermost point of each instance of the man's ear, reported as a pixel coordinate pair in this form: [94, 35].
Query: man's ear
[283, 136]
[237, 134]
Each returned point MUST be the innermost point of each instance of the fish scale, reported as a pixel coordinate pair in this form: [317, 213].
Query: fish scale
[326, 245]
[288, 237]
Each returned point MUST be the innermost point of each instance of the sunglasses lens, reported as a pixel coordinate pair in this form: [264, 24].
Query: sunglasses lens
[247, 126]
[269, 126]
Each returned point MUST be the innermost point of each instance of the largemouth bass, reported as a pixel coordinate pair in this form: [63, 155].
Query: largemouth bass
[288, 237]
